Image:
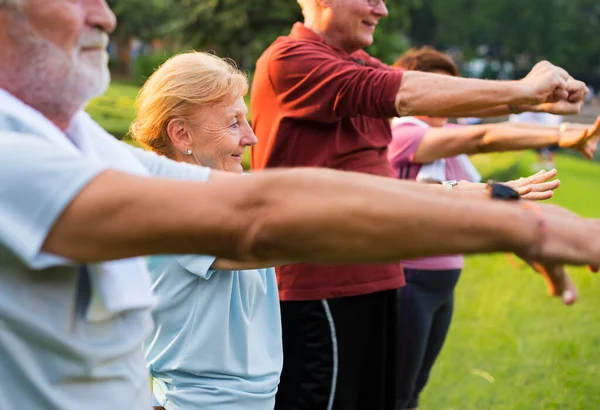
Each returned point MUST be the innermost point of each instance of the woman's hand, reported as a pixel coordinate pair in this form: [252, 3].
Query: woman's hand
[536, 187]
[585, 141]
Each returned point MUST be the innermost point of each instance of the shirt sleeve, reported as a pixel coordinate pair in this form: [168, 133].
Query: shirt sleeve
[162, 167]
[37, 182]
[199, 265]
[312, 84]
[405, 141]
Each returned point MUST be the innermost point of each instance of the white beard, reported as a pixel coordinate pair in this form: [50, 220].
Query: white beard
[49, 75]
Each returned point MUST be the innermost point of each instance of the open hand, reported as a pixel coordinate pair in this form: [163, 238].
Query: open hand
[536, 187]
[585, 141]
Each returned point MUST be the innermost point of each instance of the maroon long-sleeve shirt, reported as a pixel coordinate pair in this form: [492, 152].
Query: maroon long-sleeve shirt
[314, 105]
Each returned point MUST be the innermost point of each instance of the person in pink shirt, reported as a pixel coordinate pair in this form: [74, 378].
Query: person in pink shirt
[430, 150]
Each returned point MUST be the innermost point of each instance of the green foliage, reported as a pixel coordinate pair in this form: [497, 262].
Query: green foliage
[115, 109]
[562, 31]
[238, 29]
[146, 19]
[146, 64]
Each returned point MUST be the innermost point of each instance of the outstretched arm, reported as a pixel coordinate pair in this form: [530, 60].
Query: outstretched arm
[309, 214]
[437, 95]
[450, 141]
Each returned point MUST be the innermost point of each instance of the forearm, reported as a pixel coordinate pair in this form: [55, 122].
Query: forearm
[380, 219]
[300, 215]
[444, 96]
[513, 138]
[494, 111]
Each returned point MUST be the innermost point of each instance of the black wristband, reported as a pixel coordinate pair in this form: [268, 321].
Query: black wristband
[502, 192]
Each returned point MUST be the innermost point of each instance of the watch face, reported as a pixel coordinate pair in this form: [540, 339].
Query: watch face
[503, 192]
[449, 184]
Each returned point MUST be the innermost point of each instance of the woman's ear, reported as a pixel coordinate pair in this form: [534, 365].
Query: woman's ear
[178, 134]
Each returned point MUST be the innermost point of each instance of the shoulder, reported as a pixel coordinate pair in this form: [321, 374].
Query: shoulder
[297, 50]
[370, 60]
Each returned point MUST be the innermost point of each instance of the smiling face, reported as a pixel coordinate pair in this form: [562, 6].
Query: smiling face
[219, 135]
[351, 23]
[57, 50]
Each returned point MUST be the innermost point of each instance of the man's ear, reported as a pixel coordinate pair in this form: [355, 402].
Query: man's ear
[178, 134]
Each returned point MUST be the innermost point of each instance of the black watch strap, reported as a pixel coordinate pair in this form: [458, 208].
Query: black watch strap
[502, 192]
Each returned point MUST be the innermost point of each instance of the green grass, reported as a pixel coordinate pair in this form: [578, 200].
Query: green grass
[510, 345]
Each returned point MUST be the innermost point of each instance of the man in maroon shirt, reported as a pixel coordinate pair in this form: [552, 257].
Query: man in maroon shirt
[319, 100]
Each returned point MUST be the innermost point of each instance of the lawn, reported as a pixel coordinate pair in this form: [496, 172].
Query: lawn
[510, 346]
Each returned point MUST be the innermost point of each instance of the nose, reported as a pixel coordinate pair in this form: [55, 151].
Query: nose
[249, 139]
[99, 15]
[381, 9]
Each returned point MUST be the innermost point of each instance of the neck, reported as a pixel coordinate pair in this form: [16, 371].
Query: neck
[320, 27]
[32, 94]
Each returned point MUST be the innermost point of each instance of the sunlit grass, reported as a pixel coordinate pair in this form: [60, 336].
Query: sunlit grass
[510, 345]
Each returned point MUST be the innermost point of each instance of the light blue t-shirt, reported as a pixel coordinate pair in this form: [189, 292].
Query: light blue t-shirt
[51, 356]
[217, 341]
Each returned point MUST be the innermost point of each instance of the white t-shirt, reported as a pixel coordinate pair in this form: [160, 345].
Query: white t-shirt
[51, 356]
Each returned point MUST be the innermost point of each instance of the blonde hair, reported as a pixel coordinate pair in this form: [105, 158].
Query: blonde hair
[178, 89]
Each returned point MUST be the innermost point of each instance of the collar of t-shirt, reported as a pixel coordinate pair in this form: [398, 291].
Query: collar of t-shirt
[301, 32]
[436, 170]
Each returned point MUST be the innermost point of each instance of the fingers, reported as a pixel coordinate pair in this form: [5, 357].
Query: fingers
[562, 107]
[540, 191]
[589, 151]
[559, 94]
[561, 71]
[539, 177]
[523, 190]
[549, 83]
[558, 282]
[577, 90]
[538, 196]
[595, 129]
[545, 186]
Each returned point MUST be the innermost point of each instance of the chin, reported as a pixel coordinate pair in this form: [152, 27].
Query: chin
[94, 79]
[236, 168]
[365, 41]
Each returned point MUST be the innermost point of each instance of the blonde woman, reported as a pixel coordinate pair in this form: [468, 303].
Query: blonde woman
[217, 339]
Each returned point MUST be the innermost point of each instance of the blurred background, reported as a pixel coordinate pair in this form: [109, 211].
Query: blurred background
[510, 346]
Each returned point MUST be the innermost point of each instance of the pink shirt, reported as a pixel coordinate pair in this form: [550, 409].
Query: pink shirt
[401, 152]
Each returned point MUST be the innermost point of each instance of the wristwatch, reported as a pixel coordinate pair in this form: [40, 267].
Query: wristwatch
[502, 192]
[449, 184]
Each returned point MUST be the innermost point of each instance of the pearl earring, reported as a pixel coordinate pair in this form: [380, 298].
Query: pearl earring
[189, 151]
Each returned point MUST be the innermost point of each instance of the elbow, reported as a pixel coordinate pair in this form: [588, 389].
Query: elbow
[258, 238]
[404, 103]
